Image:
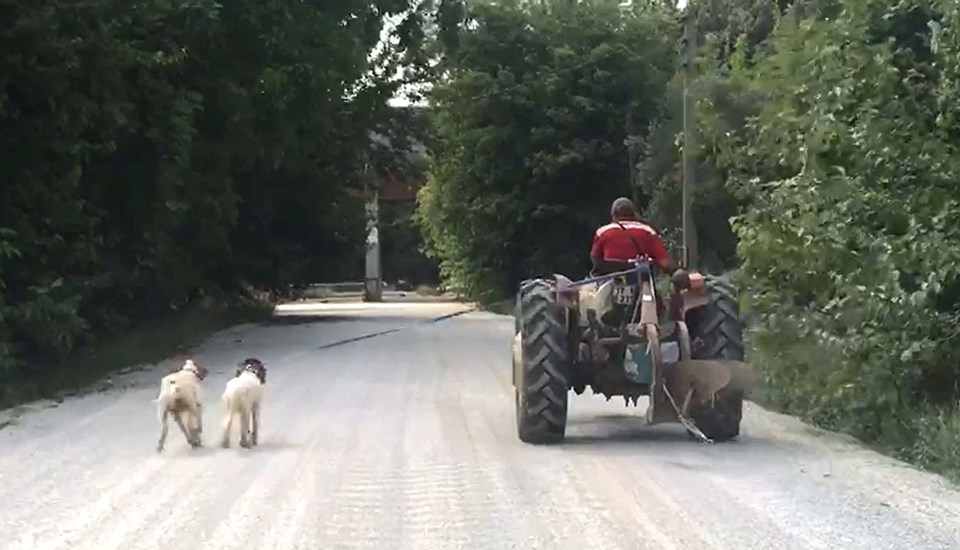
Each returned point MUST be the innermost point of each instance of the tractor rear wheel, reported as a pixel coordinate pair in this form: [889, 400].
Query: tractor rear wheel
[717, 333]
[544, 373]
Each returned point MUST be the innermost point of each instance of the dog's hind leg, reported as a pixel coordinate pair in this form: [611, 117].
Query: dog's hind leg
[199, 421]
[227, 423]
[186, 432]
[255, 413]
[245, 429]
[163, 430]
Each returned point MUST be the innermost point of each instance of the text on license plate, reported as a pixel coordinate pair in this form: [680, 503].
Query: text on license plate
[624, 295]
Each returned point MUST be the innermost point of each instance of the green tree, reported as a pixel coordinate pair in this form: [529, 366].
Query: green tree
[728, 33]
[156, 153]
[530, 119]
[849, 241]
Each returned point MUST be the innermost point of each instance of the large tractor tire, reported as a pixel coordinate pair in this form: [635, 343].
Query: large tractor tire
[719, 330]
[543, 374]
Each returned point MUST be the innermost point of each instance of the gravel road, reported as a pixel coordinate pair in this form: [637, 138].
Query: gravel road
[407, 440]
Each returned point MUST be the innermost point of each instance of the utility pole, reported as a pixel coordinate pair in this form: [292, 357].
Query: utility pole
[631, 143]
[373, 281]
[688, 52]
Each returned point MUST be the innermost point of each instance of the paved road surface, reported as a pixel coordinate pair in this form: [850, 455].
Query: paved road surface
[407, 440]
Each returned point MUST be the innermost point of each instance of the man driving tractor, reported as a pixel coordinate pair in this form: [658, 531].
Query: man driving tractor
[626, 238]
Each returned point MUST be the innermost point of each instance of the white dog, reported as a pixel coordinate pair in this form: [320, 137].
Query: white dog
[180, 393]
[242, 398]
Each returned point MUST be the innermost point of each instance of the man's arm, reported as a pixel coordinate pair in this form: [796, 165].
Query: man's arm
[660, 255]
[596, 250]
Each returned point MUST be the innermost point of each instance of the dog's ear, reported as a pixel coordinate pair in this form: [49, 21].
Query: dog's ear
[237, 371]
[262, 373]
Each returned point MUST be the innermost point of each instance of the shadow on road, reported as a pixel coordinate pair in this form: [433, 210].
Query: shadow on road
[293, 319]
[637, 434]
[630, 432]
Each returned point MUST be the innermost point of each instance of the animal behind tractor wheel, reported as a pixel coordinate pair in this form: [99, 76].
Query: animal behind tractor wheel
[542, 372]
[717, 333]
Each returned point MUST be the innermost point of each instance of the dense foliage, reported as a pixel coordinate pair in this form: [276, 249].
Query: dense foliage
[530, 118]
[156, 152]
[848, 238]
[828, 134]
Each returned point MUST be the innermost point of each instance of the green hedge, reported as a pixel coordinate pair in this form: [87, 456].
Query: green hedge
[156, 153]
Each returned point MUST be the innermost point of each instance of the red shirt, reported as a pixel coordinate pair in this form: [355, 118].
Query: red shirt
[611, 242]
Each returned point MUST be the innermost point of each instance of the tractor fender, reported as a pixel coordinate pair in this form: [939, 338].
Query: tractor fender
[691, 300]
[692, 291]
[567, 297]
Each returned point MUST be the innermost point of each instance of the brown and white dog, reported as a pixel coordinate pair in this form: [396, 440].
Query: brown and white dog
[180, 394]
[242, 397]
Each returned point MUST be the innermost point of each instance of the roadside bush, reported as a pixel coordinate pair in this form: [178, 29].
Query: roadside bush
[849, 241]
[157, 153]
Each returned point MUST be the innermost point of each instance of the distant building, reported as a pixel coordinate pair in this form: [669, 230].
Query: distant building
[400, 188]
[399, 180]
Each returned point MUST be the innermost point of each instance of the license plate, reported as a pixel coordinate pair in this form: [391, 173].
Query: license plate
[624, 295]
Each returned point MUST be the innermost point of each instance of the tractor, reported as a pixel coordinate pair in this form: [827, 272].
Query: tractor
[613, 333]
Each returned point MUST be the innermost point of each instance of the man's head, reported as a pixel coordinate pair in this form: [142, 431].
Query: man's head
[622, 209]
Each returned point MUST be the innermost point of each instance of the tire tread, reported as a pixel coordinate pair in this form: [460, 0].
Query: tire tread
[544, 380]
